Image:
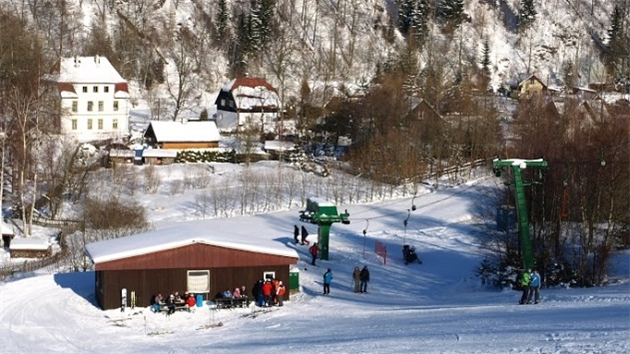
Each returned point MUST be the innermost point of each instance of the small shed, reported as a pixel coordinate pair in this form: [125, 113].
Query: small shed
[159, 156]
[30, 247]
[182, 135]
[121, 157]
[7, 234]
[277, 147]
[196, 258]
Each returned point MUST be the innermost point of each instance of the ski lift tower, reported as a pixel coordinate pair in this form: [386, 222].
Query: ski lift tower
[324, 214]
[518, 165]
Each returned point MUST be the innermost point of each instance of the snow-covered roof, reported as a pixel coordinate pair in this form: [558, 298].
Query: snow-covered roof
[169, 131]
[159, 153]
[30, 243]
[250, 93]
[89, 70]
[321, 202]
[184, 235]
[277, 145]
[7, 229]
[122, 153]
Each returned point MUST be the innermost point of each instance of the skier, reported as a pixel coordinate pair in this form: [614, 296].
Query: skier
[525, 278]
[314, 249]
[296, 233]
[534, 287]
[328, 277]
[304, 236]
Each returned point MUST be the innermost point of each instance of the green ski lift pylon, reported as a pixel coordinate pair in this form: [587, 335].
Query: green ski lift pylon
[324, 214]
[517, 166]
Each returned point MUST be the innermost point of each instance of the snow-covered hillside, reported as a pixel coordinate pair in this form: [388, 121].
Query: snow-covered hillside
[436, 307]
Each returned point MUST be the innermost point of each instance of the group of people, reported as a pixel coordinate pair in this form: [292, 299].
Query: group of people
[237, 293]
[269, 292]
[296, 235]
[172, 301]
[530, 284]
[360, 277]
[313, 250]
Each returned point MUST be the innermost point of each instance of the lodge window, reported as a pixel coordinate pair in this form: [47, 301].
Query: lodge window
[90, 106]
[269, 275]
[84, 89]
[198, 281]
[106, 89]
[95, 89]
[100, 124]
[115, 123]
[75, 106]
[74, 124]
[100, 106]
[115, 105]
[89, 124]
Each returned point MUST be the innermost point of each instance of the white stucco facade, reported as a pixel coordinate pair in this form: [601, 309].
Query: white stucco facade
[94, 99]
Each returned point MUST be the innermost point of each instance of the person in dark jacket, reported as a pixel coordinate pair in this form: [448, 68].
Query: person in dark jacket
[170, 303]
[364, 276]
[257, 293]
[296, 234]
[304, 236]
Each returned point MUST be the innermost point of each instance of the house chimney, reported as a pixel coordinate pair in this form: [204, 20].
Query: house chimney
[97, 60]
[76, 62]
[184, 120]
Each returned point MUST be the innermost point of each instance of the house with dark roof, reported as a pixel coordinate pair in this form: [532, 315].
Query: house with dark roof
[196, 258]
[94, 99]
[246, 101]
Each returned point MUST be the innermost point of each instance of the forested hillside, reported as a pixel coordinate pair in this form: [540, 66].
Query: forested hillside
[177, 50]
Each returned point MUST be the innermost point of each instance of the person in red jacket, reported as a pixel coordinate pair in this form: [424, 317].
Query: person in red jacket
[190, 301]
[314, 249]
[267, 289]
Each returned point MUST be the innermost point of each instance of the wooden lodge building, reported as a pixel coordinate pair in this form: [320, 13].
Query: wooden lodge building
[196, 258]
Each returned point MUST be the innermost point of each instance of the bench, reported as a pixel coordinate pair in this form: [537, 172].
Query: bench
[228, 303]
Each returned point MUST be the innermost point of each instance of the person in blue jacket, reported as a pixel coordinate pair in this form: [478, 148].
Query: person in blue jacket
[534, 287]
[328, 277]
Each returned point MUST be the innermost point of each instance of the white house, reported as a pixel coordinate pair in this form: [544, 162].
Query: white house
[246, 101]
[94, 99]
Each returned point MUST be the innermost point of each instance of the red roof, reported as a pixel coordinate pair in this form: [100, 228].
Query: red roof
[121, 86]
[252, 82]
[66, 86]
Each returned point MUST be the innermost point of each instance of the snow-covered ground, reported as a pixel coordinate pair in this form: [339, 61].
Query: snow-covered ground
[436, 307]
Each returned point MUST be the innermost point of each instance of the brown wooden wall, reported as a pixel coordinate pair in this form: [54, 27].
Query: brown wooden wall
[197, 256]
[147, 282]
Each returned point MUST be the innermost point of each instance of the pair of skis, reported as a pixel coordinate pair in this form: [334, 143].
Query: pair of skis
[123, 299]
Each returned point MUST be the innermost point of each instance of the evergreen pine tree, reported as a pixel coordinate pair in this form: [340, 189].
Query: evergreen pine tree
[420, 21]
[617, 51]
[221, 19]
[453, 12]
[485, 58]
[405, 15]
[526, 14]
